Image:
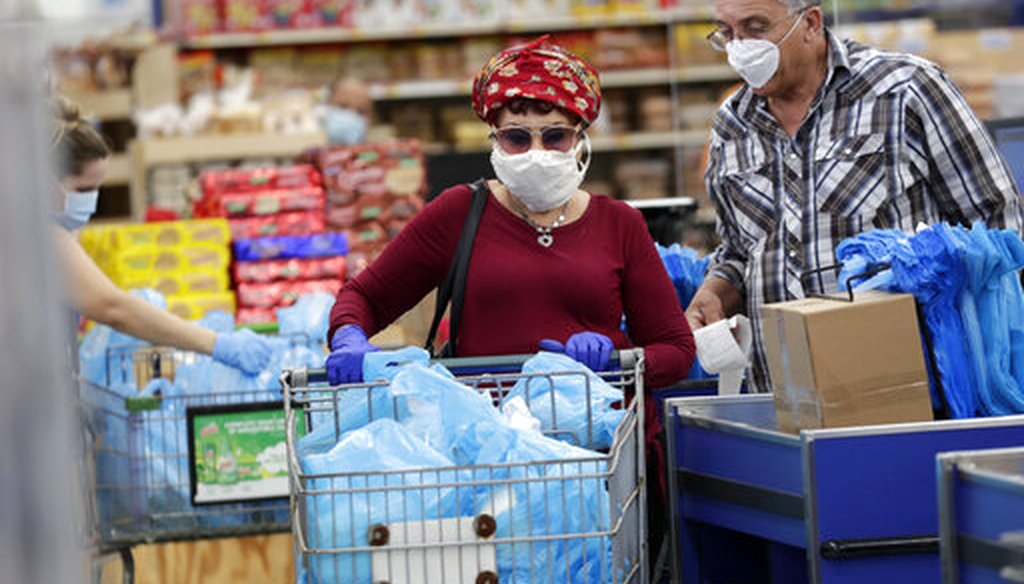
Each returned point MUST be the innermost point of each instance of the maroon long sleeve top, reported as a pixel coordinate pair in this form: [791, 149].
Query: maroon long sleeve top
[599, 268]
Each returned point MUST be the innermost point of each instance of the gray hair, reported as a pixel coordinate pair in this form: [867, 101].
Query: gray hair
[795, 6]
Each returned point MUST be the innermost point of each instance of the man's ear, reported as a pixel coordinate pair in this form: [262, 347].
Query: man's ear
[815, 22]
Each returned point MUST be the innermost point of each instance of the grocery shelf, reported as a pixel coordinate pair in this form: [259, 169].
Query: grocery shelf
[650, 141]
[657, 76]
[223, 147]
[439, 88]
[420, 89]
[429, 31]
[107, 105]
[119, 170]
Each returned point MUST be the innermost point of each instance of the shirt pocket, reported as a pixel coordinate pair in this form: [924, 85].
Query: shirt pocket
[747, 188]
[851, 177]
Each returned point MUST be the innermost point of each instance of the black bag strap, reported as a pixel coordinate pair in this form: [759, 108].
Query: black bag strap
[454, 287]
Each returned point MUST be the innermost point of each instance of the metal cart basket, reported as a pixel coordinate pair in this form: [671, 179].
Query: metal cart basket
[393, 527]
[137, 467]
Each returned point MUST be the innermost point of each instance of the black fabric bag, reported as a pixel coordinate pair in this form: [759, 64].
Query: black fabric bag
[454, 287]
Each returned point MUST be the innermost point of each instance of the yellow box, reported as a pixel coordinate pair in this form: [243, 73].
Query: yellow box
[194, 306]
[590, 8]
[207, 232]
[179, 283]
[149, 261]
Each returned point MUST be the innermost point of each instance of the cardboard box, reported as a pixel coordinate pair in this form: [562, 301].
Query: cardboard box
[835, 363]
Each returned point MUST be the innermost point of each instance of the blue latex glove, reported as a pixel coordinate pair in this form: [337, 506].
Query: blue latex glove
[591, 349]
[345, 363]
[243, 350]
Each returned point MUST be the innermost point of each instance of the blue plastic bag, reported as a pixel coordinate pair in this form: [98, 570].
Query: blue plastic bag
[366, 456]
[385, 365]
[309, 317]
[544, 500]
[561, 402]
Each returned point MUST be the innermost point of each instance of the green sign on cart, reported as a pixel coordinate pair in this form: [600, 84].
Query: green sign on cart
[238, 452]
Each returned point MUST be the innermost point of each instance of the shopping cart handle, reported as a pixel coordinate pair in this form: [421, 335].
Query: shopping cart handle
[624, 359]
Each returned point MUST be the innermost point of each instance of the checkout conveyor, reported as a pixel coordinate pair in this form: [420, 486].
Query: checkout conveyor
[850, 505]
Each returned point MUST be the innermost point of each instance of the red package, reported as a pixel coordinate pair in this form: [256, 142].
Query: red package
[259, 179]
[404, 207]
[269, 202]
[274, 270]
[255, 315]
[349, 216]
[295, 223]
[343, 182]
[282, 293]
[366, 237]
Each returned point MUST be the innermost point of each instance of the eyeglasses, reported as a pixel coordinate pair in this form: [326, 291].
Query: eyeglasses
[519, 139]
[755, 29]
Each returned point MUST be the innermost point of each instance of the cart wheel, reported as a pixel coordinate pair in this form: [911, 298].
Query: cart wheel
[487, 577]
[379, 535]
[484, 525]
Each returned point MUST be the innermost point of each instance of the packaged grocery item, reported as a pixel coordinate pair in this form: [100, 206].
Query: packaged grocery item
[194, 306]
[178, 283]
[199, 17]
[276, 294]
[249, 180]
[271, 202]
[294, 269]
[291, 247]
[246, 15]
[295, 223]
[256, 315]
[148, 260]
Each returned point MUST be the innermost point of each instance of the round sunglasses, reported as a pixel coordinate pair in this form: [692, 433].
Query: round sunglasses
[519, 139]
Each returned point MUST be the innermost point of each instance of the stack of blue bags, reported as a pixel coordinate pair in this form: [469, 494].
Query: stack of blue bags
[966, 281]
[437, 449]
[152, 490]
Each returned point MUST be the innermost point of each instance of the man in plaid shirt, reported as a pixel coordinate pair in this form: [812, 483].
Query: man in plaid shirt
[829, 138]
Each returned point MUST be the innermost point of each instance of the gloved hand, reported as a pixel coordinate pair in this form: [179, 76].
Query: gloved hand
[345, 363]
[591, 349]
[242, 349]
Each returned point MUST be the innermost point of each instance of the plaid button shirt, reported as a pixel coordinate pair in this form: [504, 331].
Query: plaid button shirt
[889, 141]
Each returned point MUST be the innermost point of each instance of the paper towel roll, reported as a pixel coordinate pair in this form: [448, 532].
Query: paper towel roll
[722, 352]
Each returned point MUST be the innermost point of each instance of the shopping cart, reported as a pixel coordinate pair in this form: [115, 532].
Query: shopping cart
[138, 465]
[584, 517]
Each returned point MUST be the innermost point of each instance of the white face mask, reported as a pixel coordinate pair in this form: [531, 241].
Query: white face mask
[757, 60]
[542, 179]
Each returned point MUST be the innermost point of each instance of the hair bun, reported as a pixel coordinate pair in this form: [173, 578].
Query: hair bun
[66, 111]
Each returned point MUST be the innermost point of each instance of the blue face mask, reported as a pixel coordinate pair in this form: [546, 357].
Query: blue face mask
[344, 126]
[78, 209]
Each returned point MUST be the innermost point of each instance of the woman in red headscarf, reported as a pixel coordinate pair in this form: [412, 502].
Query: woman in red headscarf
[552, 266]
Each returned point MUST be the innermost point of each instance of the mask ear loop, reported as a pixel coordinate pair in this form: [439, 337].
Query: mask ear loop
[583, 165]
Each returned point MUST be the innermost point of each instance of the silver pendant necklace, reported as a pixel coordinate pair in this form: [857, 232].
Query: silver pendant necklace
[544, 236]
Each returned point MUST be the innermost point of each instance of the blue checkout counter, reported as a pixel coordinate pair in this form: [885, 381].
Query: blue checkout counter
[981, 516]
[851, 505]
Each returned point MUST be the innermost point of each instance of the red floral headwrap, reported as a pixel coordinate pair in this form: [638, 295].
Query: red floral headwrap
[542, 71]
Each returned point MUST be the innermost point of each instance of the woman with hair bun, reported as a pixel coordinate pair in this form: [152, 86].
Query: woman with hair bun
[82, 157]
